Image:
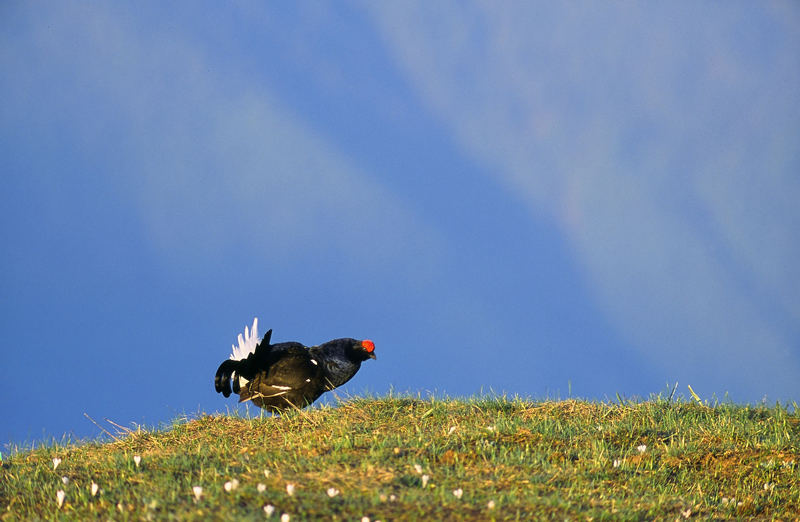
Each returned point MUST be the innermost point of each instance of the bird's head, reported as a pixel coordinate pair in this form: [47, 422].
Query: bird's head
[369, 348]
[352, 350]
[355, 350]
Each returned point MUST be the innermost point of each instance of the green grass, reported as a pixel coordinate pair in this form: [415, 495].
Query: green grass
[555, 459]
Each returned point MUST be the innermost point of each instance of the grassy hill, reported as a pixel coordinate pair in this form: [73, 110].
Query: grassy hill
[405, 458]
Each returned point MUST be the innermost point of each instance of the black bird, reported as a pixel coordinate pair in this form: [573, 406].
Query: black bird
[280, 376]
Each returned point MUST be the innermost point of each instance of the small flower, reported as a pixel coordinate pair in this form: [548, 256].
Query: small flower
[491, 428]
[451, 430]
[56, 462]
[269, 509]
[458, 492]
[392, 498]
[198, 492]
[136, 460]
[332, 492]
[65, 480]
[491, 504]
[642, 448]
[231, 485]
[266, 473]
[364, 519]
[285, 517]
[261, 488]
[730, 501]
[290, 489]
[60, 495]
[617, 463]
[418, 468]
[425, 479]
[94, 488]
[687, 513]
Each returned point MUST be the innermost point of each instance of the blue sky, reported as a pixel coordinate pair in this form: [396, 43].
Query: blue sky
[534, 199]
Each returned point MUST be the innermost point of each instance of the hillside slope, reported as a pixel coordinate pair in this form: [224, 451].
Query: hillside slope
[401, 458]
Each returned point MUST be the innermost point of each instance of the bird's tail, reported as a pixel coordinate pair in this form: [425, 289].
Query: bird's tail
[243, 362]
[224, 376]
[247, 343]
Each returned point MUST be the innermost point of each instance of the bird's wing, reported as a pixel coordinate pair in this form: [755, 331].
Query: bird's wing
[292, 372]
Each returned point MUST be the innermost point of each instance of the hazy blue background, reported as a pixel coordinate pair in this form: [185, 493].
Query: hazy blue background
[506, 197]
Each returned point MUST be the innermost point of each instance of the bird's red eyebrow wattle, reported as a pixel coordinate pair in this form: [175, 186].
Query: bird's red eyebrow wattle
[368, 345]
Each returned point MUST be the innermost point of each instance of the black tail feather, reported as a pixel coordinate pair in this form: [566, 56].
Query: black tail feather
[222, 381]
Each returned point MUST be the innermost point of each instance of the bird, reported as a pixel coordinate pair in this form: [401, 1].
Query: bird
[282, 376]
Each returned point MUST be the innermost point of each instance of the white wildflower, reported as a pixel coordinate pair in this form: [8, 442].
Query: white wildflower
[641, 448]
[285, 517]
[392, 498]
[332, 492]
[65, 480]
[56, 462]
[458, 492]
[136, 460]
[261, 488]
[364, 519]
[60, 495]
[269, 509]
[417, 468]
[266, 473]
[231, 485]
[198, 492]
[451, 430]
[687, 513]
[425, 479]
[94, 488]
[617, 463]
[491, 504]
[290, 489]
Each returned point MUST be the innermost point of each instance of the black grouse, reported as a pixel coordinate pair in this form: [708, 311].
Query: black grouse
[288, 375]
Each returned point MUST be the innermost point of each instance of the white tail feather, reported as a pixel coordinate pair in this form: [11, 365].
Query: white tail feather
[247, 344]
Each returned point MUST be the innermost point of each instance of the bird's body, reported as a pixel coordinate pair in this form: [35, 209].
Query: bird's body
[288, 375]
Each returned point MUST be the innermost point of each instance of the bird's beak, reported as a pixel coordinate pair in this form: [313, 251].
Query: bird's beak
[372, 355]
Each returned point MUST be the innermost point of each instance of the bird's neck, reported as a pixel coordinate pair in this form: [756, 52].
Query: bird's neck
[338, 369]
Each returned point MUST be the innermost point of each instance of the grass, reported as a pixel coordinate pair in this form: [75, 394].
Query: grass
[402, 458]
